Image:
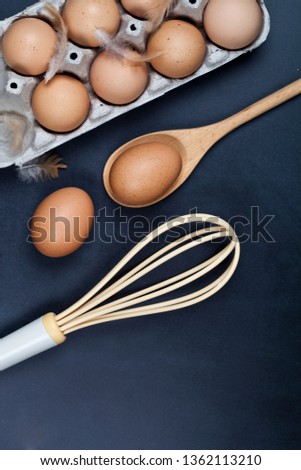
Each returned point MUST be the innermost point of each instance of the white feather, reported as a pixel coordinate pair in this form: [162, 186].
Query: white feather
[158, 12]
[119, 50]
[107, 42]
[15, 133]
[57, 60]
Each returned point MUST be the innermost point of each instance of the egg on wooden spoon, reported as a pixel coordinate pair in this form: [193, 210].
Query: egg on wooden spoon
[143, 173]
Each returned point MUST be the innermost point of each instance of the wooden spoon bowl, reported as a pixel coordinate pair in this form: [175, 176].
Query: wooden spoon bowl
[193, 144]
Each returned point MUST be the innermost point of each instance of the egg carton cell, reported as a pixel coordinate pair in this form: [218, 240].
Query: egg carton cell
[16, 90]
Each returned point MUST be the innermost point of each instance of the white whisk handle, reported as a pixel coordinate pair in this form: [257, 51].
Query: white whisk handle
[32, 339]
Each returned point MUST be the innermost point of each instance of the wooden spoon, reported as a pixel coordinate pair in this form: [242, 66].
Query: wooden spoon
[193, 144]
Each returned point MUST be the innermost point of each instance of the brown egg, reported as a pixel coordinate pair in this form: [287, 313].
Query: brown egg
[62, 222]
[28, 45]
[139, 8]
[233, 24]
[62, 104]
[144, 172]
[84, 17]
[181, 48]
[117, 80]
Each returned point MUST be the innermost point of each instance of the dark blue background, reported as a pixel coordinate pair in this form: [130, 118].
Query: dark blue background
[222, 374]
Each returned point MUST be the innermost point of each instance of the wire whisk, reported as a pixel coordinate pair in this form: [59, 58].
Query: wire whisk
[97, 305]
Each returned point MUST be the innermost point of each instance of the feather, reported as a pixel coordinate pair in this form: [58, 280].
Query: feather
[15, 133]
[106, 41]
[42, 168]
[57, 22]
[3, 73]
[158, 12]
[120, 50]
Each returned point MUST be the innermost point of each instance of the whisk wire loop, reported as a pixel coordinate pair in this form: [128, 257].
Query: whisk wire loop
[92, 309]
[142, 269]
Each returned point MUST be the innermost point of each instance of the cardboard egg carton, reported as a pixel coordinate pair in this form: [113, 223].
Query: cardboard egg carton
[16, 117]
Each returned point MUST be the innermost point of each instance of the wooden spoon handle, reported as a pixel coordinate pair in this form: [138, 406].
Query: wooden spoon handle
[260, 107]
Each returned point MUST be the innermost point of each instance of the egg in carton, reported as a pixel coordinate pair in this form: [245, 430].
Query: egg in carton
[23, 139]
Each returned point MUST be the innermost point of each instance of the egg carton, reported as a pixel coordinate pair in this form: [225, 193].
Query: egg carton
[16, 90]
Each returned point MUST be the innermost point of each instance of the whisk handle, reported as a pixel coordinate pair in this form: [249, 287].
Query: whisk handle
[32, 339]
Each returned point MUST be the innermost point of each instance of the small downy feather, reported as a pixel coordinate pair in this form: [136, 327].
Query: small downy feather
[57, 22]
[118, 49]
[106, 41]
[3, 73]
[15, 132]
[158, 12]
[42, 168]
